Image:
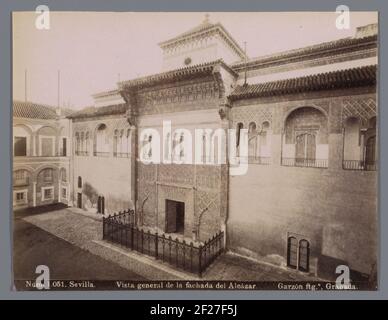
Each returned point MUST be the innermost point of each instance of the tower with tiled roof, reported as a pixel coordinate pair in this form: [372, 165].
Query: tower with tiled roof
[203, 43]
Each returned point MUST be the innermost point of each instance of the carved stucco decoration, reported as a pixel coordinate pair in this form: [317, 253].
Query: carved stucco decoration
[363, 109]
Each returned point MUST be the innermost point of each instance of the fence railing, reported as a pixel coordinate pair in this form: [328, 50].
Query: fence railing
[101, 154]
[181, 254]
[121, 154]
[81, 153]
[359, 165]
[302, 162]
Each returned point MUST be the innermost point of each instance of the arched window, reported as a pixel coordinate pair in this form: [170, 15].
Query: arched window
[101, 141]
[47, 137]
[47, 175]
[205, 158]
[238, 133]
[77, 143]
[20, 177]
[305, 142]
[292, 252]
[87, 143]
[252, 141]
[304, 255]
[116, 143]
[82, 142]
[147, 147]
[79, 182]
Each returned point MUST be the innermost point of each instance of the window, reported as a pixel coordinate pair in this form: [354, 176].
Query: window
[79, 182]
[101, 141]
[298, 253]
[20, 146]
[63, 147]
[360, 144]
[20, 178]
[147, 147]
[47, 193]
[305, 142]
[47, 146]
[48, 175]
[64, 193]
[20, 197]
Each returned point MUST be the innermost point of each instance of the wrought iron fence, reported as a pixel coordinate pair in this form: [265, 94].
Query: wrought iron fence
[188, 256]
[302, 162]
[359, 165]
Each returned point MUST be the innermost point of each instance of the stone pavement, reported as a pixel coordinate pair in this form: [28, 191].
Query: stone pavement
[86, 232]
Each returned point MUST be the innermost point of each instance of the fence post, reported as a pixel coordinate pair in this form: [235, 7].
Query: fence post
[191, 256]
[200, 261]
[184, 254]
[103, 228]
[132, 232]
[142, 241]
[156, 245]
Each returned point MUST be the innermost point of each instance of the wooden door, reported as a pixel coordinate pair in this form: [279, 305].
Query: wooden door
[171, 216]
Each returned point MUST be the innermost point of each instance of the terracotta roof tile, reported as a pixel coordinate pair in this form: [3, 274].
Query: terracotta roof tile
[99, 111]
[22, 109]
[356, 77]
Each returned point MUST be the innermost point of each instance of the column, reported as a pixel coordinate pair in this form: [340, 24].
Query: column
[34, 194]
[59, 190]
[34, 144]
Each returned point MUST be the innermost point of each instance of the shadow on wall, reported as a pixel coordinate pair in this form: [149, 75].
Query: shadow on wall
[112, 203]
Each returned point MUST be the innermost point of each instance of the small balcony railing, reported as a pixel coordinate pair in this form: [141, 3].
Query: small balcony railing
[259, 160]
[121, 154]
[359, 165]
[82, 153]
[302, 162]
[100, 154]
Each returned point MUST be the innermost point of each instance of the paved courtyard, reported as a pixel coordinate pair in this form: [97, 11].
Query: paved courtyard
[34, 246]
[66, 241]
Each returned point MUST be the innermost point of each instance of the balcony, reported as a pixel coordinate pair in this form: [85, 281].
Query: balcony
[302, 162]
[101, 154]
[82, 153]
[359, 165]
[121, 154]
[259, 160]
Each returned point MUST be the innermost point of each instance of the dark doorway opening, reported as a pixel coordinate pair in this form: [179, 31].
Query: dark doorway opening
[175, 216]
[79, 200]
[101, 205]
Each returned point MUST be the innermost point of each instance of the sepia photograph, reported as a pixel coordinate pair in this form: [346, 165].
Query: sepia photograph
[195, 150]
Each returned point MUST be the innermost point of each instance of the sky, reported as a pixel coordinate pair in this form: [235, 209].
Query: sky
[93, 50]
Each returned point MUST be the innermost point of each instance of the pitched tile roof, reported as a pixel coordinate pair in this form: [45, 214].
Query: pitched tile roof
[302, 53]
[92, 111]
[177, 74]
[27, 109]
[206, 27]
[356, 77]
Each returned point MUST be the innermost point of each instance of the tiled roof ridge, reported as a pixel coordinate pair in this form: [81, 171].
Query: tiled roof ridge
[204, 27]
[172, 74]
[365, 75]
[93, 111]
[305, 50]
[34, 110]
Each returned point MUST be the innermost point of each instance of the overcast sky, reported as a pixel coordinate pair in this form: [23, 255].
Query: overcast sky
[92, 50]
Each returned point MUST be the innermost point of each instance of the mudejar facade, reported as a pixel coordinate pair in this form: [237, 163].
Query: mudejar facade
[308, 199]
